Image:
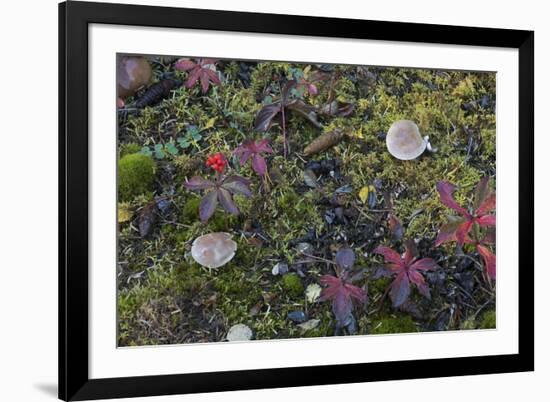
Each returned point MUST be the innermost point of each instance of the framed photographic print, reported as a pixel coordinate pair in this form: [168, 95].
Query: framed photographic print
[257, 201]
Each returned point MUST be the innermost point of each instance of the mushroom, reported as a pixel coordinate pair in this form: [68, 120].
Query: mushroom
[133, 72]
[404, 140]
[213, 249]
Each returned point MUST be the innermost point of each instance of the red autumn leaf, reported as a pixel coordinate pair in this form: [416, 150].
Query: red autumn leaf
[265, 116]
[400, 289]
[389, 254]
[253, 150]
[484, 200]
[341, 293]
[396, 228]
[489, 259]
[446, 190]
[226, 201]
[407, 269]
[204, 70]
[208, 205]
[447, 232]
[267, 113]
[221, 193]
[198, 183]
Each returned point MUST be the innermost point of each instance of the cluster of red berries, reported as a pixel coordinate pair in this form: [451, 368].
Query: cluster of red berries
[217, 162]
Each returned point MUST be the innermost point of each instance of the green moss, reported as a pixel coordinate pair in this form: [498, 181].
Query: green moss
[129, 148]
[190, 210]
[293, 285]
[136, 173]
[394, 325]
[488, 320]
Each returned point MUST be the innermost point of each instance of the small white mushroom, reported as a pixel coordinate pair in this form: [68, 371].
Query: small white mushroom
[404, 140]
[239, 333]
[213, 249]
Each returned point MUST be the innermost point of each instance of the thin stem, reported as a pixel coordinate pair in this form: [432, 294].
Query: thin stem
[318, 258]
[285, 150]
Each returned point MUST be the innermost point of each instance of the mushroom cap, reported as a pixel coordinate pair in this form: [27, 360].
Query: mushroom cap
[213, 249]
[404, 140]
[133, 72]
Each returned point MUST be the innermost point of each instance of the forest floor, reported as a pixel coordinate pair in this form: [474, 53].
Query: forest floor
[306, 208]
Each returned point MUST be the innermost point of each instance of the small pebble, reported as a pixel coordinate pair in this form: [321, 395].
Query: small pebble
[297, 316]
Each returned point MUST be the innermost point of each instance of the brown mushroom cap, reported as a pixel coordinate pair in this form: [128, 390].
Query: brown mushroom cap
[213, 249]
[132, 73]
[404, 140]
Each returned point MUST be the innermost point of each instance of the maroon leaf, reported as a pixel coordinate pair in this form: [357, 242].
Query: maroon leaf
[330, 291]
[424, 264]
[263, 146]
[205, 81]
[487, 220]
[312, 89]
[213, 76]
[237, 185]
[417, 278]
[265, 116]
[307, 111]
[345, 258]
[389, 254]
[208, 205]
[342, 294]
[184, 64]
[286, 92]
[203, 70]
[356, 293]
[258, 164]
[445, 190]
[481, 192]
[406, 269]
[198, 183]
[410, 252]
[396, 228]
[400, 289]
[447, 232]
[488, 205]
[342, 305]
[194, 75]
[226, 201]
[462, 231]
[489, 259]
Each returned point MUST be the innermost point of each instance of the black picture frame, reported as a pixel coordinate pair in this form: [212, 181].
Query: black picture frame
[74, 18]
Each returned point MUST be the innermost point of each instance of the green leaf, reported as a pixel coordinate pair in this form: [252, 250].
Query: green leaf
[159, 153]
[183, 142]
[146, 151]
[171, 148]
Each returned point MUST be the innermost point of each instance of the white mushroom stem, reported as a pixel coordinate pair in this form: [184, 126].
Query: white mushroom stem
[429, 147]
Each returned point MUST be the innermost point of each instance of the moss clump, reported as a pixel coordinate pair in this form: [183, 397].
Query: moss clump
[488, 320]
[190, 210]
[136, 173]
[130, 148]
[394, 325]
[293, 285]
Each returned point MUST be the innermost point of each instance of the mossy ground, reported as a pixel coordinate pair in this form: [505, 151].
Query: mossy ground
[164, 297]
